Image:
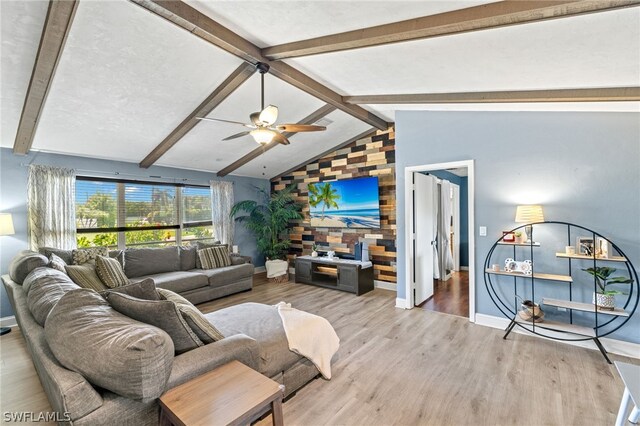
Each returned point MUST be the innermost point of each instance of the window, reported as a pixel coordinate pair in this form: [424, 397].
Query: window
[119, 213]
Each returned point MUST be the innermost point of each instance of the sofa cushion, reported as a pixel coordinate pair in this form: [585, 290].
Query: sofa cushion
[198, 323]
[25, 262]
[214, 257]
[110, 272]
[109, 349]
[85, 276]
[63, 254]
[145, 289]
[179, 281]
[84, 255]
[188, 255]
[57, 263]
[262, 323]
[229, 274]
[163, 314]
[147, 261]
[46, 287]
[117, 255]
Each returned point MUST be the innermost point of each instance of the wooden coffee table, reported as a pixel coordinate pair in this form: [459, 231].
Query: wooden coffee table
[233, 394]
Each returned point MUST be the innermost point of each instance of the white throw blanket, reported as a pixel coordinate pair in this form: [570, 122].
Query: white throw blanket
[310, 336]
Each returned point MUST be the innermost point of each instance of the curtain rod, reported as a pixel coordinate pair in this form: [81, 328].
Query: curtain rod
[116, 173]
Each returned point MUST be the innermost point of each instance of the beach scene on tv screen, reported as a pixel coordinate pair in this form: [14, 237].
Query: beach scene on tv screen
[352, 203]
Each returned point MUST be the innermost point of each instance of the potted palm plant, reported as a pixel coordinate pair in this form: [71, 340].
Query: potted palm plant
[268, 222]
[604, 298]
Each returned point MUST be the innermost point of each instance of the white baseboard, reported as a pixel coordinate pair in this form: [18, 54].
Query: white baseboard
[384, 285]
[401, 303]
[259, 269]
[8, 321]
[614, 346]
[464, 268]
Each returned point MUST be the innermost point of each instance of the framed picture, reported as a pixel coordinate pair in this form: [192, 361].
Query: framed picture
[508, 237]
[585, 246]
[602, 248]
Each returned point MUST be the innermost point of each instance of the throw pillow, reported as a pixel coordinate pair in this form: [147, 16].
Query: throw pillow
[110, 272]
[201, 245]
[84, 255]
[198, 323]
[145, 289]
[163, 314]
[57, 263]
[214, 257]
[85, 276]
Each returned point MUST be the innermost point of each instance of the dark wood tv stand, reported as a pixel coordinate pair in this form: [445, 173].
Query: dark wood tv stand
[340, 274]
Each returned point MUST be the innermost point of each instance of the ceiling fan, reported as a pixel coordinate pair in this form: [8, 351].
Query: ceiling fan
[263, 122]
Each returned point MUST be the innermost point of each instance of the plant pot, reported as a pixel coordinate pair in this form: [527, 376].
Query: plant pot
[277, 269]
[605, 302]
[314, 254]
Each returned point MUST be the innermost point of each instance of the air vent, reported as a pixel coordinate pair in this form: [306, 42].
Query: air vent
[323, 122]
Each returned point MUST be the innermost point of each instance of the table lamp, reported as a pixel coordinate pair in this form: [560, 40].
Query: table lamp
[529, 214]
[6, 228]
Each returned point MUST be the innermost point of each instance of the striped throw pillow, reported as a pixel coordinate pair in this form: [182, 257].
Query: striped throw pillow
[198, 323]
[214, 257]
[110, 272]
[85, 276]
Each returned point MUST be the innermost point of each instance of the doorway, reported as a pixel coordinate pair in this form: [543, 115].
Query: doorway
[440, 266]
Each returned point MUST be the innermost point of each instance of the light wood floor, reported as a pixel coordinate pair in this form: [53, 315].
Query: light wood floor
[407, 367]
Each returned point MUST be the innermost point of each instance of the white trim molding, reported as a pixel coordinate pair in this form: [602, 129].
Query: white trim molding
[259, 269]
[385, 285]
[8, 321]
[408, 215]
[402, 303]
[614, 346]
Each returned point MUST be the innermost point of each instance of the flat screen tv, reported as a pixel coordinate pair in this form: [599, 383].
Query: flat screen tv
[349, 203]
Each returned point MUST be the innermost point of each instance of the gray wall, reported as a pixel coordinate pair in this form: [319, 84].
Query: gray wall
[13, 197]
[582, 167]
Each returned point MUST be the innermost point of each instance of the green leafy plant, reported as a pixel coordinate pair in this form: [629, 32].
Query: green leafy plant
[324, 194]
[314, 247]
[269, 220]
[603, 278]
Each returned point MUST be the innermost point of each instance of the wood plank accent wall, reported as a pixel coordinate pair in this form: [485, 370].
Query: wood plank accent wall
[372, 156]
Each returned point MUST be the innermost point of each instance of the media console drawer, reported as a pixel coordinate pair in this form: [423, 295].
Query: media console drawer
[340, 274]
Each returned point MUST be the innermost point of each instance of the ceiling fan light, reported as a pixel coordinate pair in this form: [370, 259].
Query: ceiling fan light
[262, 136]
[269, 115]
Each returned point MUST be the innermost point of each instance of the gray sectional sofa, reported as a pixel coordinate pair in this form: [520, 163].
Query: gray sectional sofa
[177, 269]
[137, 359]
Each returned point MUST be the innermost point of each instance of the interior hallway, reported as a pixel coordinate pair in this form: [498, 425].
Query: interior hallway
[451, 296]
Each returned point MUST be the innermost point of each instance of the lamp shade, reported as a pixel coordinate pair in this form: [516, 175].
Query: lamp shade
[529, 214]
[6, 224]
[262, 136]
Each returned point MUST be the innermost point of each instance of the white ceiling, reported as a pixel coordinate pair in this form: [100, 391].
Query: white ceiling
[127, 77]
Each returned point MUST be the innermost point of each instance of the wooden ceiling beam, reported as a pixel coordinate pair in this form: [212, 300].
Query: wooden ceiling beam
[199, 24]
[477, 18]
[231, 83]
[54, 35]
[607, 94]
[310, 119]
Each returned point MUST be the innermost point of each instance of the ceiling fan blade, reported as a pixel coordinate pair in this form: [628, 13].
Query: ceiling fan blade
[224, 121]
[269, 115]
[237, 135]
[299, 128]
[280, 138]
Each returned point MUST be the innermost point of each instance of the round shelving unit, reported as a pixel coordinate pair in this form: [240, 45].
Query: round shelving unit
[558, 283]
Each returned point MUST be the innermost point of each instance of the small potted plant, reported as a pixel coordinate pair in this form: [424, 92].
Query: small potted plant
[314, 250]
[521, 238]
[603, 298]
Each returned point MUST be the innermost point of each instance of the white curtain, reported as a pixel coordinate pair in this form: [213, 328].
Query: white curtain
[221, 204]
[444, 231]
[51, 207]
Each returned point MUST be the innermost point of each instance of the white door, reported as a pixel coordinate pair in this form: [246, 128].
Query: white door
[424, 217]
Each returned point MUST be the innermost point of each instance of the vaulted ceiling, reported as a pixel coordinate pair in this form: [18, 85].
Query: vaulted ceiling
[124, 80]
